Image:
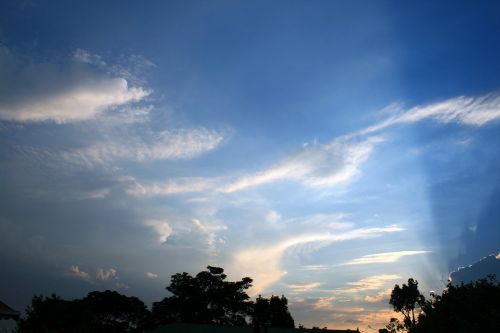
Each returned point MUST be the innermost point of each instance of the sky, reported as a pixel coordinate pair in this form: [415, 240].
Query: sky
[326, 149]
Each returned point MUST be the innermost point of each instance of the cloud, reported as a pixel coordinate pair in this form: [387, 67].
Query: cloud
[34, 91]
[170, 187]
[303, 287]
[75, 271]
[472, 111]
[161, 228]
[106, 274]
[315, 165]
[385, 257]
[178, 144]
[266, 270]
[381, 296]
[151, 276]
[489, 265]
[209, 231]
[315, 267]
[374, 282]
[324, 303]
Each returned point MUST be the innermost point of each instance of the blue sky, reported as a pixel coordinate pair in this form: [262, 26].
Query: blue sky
[328, 150]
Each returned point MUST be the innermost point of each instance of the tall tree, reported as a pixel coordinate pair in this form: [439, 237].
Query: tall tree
[206, 298]
[272, 312]
[405, 300]
[467, 308]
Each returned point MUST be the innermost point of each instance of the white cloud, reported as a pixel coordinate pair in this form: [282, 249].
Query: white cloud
[75, 271]
[177, 186]
[315, 267]
[263, 263]
[472, 111]
[315, 165]
[83, 101]
[381, 296]
[374, 282]
[167, 145]
[106, 274]
[303, 287]
[385, 257]
[324, 303]
[60, 91]
[151, 276]
[161, 228]
[209, 231]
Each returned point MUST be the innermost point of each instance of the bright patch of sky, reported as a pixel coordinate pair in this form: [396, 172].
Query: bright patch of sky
[327, 150]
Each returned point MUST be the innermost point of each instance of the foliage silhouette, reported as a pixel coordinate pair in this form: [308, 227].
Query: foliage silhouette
[106, 311]
[204, 299]
[466, 308]
[272, 312]
[405, 300]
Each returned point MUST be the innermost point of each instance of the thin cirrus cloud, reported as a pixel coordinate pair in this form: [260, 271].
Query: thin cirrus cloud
[315, 165]
[385, 257]
[64, 92]
[374, 282]
[266, 269]
[175, 144]
[170, 187]
[302, 287]
[472, 111]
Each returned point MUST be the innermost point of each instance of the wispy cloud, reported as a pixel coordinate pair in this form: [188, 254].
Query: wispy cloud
[161, 228]
[151, 275]
[167, 145]
[374, 282]
[266, 270]
[473, 111]
[303, 287]
[378, 297]
[385, 257]
[170, 187]
[315, 165]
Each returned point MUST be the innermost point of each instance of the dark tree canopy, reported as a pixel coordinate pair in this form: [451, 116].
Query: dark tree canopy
[106, 311]
[405, 300]
[272, 312]
[206, 298]
[467, 308]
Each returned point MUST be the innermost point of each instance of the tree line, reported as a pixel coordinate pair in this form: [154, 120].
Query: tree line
[206, 298]
[466, 308]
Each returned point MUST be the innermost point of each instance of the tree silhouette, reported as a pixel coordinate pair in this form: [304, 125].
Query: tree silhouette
[272, 312]
[467, 308]
[106, 311]
[405, 300]
[205, 299]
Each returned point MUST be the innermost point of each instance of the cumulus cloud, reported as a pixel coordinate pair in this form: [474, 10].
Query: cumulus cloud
[39, 91]
[75, 271]
[161, 228]
[385, 257]
[472, 111]
[106, 274]
[489, 265]
[266, 270]
[315, 165]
